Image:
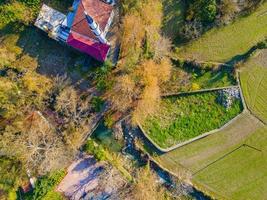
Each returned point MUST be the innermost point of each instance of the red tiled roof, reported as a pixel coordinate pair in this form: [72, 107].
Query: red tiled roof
[98, 10]
[95, 49]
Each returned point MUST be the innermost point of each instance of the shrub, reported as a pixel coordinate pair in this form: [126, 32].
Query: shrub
[128, 6]
[44, 187]
[207, 66]
[202, 10]
[262, 45]
[31, 3]
[109, 121]
[191, 30]
[12, 175]
[208, 10]
[15, 12]
[97, 103]
[226, 10]
[195, 86]
[97, 150]
[101, 76]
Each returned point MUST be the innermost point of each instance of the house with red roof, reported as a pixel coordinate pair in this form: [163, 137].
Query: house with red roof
[84, 28]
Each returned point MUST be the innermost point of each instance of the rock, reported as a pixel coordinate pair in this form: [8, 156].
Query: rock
[227, 96]
[118, 132]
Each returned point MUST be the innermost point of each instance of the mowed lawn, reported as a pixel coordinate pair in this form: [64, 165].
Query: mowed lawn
[254, 84]
[222, 44]
[242, 174]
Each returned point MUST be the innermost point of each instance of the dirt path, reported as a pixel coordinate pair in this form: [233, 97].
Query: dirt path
[88, 179]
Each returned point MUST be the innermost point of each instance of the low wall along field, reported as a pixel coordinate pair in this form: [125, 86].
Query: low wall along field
[231, 164]
[187, 116]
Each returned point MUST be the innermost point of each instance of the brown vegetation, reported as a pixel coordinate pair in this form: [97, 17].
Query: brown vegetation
[143, 66]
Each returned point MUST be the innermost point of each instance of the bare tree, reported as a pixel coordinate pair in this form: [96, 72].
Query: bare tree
[162, 48]
[71, 107]
[37, 144]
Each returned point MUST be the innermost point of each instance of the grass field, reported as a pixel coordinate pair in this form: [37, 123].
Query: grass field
[185, 117]
[242, 173]
[254, 84]
[223, 44]
[219, 166]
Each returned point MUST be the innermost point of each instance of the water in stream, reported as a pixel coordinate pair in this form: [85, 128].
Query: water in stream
[105, 137]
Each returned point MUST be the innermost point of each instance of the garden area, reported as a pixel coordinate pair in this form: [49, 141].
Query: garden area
[184, 117]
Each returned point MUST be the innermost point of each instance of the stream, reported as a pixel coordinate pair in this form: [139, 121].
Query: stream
[105, 137]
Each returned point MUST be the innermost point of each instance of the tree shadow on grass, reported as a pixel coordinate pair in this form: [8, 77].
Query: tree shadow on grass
[173, 17]
[241, 57]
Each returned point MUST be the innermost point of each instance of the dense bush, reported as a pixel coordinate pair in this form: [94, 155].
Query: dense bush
[31, 3]
[208, 10]
[191, 30]
[45, 186]
[202, 10]
[262, 45]
[15, 12]
[12, 175]
[97, 103]
[101, 76]
[97, 150]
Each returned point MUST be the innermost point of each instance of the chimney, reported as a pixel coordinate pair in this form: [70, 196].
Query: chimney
[95, 28]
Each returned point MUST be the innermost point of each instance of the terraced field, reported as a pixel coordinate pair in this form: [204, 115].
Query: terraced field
[231, 164]
[223, 44]
[242, 174]
[254, 84]
[221, 165]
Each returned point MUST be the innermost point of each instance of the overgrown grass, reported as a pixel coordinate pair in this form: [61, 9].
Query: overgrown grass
[254, 84]
[223, 44]
[185, 117]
